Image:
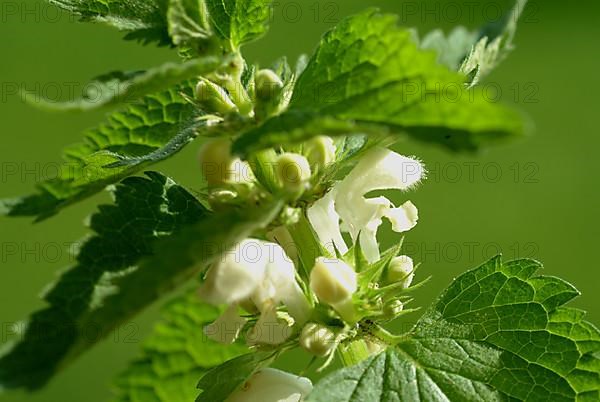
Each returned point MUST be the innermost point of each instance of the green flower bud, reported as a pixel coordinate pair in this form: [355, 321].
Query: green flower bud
[320, 151]
[317, 339]
[214, 98]
[401, 270]
[333, 281]
[268, 85]
[292, 171]
[392, 309]
[218, 165]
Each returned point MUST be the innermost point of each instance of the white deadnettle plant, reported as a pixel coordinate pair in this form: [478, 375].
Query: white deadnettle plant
[379, 169]
[328, 304]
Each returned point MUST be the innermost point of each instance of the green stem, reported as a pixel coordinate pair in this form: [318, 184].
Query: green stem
[384, 335]
[353, 352]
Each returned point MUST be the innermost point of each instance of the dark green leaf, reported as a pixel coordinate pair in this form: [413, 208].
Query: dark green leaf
[155, 237]
[144, 20]
[239, 21]
[498, 333]
[175, 355]
[369, 72]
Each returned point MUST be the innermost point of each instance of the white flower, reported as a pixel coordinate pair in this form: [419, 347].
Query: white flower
[379, 169]
[271, 385]
[260, 273]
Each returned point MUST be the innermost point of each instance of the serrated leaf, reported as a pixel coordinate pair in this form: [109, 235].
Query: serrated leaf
[369, 72]
[222, 381]
[498, 333]
[239, 21]
[495, 43]
[144, 20]
[175, 355]
[155, 237]
[133, 138]
[116, 88]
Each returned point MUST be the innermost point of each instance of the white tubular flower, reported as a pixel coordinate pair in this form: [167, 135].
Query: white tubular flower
[271, 385]
[401, 270]
[259, 272]
[279, 285]
[237, 276]
[379, 169]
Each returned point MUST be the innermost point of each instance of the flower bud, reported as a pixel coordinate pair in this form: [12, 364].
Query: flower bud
[317, 339]
[320, 151]
[333, 281]
[218, 165]
[214, 98]
[293, 171]
[271, 385]
[401, 271]
[392, 309]
[268, 85]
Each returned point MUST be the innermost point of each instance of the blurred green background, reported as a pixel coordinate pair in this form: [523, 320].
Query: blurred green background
[533, 198]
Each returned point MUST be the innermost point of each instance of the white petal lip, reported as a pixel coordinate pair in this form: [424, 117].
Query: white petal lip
[271, 385]
[404, 217]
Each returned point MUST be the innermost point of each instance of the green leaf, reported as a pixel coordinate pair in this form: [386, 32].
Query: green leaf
[494, 45]
[369, 72]
[222, 381]
[143, 20]
[118, 87]
[189, 26]
[156, 237]
[133, 138]
[175, 355]
[498, 333]
[239, 21]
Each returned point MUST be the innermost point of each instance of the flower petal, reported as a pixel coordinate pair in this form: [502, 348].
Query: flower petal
[227, 327]
[326, 223]
[237, 275]
[404, 217]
